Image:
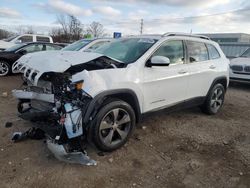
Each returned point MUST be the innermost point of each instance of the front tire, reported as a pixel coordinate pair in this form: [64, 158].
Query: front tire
[113, 125]
[4, 68]
[214, 100]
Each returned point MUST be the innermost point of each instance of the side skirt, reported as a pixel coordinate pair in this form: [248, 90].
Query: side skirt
[179, 106]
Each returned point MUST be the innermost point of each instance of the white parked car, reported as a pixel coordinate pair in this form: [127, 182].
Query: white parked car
[102, 94]
[9, 42]
[87, 44]
[240, 67]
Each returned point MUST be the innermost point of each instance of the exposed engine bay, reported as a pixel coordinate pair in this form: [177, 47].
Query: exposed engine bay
[57, 106]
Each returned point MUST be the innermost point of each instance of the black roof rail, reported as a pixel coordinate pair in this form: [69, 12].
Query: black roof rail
[185, 35]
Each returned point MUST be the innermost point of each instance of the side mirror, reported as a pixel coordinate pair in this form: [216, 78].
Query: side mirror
[22, 52]
[160, 61]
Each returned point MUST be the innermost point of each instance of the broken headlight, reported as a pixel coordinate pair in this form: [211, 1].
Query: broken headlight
[77, 86]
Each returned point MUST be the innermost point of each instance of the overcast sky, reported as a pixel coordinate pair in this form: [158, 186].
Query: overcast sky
[159, 15]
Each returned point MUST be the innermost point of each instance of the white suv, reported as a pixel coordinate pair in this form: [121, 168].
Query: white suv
[25, 38]
[102, 94]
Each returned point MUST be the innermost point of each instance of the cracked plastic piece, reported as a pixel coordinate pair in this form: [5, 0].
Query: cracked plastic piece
[73, 157]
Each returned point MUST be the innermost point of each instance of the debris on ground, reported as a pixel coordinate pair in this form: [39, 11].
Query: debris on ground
[8, 124]
[225, 142]
[76, 157]
[32, 133]
[144, 127]
[111, 160]
[5, 94]
[101, 153]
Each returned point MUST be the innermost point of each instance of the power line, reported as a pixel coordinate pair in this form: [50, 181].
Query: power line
[126, 21]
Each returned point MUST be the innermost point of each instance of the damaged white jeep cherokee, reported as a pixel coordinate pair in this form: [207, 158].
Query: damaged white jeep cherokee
[100, 95]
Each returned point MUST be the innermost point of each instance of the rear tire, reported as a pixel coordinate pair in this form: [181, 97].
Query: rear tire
[5, 68]
[113, 125]
[214, 100]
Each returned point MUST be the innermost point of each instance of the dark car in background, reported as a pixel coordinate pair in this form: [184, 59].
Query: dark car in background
[10, 55]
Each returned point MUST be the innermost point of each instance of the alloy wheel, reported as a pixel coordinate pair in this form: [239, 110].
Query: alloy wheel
[4, 69]
[217, 99]
[115, 127]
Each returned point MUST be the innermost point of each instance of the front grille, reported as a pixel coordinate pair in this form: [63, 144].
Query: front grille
[33, 76]
[238, 68]
[27, 73]
[247, 69]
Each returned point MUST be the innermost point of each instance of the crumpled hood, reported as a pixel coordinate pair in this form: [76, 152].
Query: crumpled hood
[34, 65]
[240, 61]
[56, 61]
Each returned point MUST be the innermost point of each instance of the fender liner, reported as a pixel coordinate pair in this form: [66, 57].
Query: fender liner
[98, 100]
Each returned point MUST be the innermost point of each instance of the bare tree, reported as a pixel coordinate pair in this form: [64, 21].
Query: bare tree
[71, 27]
[30, 30]
[5, 34]
[20, 29]
[96, 29]
[63, 22]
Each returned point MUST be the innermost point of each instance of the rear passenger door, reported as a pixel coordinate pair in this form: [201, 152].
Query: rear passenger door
[202, 68]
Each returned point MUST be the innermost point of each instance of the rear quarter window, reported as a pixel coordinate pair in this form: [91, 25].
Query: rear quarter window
[42, 39]
[25, 39]
[213, 52]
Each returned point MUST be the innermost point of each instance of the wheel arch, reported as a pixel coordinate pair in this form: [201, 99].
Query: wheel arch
[126, 95]
[221, 80]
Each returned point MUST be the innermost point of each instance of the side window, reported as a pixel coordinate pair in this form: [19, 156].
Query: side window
[34, 48]
[213, 52]
[97, 45]
[197, 51]
[173, 50]
[42, 39]
[51, 47]
[25, 39]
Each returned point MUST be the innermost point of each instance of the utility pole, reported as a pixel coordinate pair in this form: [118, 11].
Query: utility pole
[141, 31]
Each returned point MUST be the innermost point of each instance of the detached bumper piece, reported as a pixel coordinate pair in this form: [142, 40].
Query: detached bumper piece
[70, 157]
[32, 133]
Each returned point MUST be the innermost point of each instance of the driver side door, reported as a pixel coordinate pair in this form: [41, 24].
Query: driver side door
[165, 86]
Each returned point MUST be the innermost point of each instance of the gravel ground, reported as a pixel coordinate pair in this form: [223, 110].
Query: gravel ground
[180, 149]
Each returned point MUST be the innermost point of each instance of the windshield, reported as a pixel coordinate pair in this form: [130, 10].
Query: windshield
[126, 50]
[15, 47]
[76, 46]
[10, 38]
[246, 53]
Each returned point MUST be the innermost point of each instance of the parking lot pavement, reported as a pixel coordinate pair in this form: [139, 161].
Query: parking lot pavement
[180, 149]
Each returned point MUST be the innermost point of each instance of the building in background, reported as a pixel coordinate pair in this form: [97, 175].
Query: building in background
[229, 37]
[232, 44]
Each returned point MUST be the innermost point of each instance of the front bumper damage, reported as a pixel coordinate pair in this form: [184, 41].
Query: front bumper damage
[59, 129]
[70, 157]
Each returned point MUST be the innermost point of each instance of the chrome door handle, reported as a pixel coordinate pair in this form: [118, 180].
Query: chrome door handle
[212, 67]
[182, 72]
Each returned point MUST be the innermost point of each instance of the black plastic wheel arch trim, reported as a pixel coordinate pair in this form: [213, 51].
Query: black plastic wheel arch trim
[98, 100]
